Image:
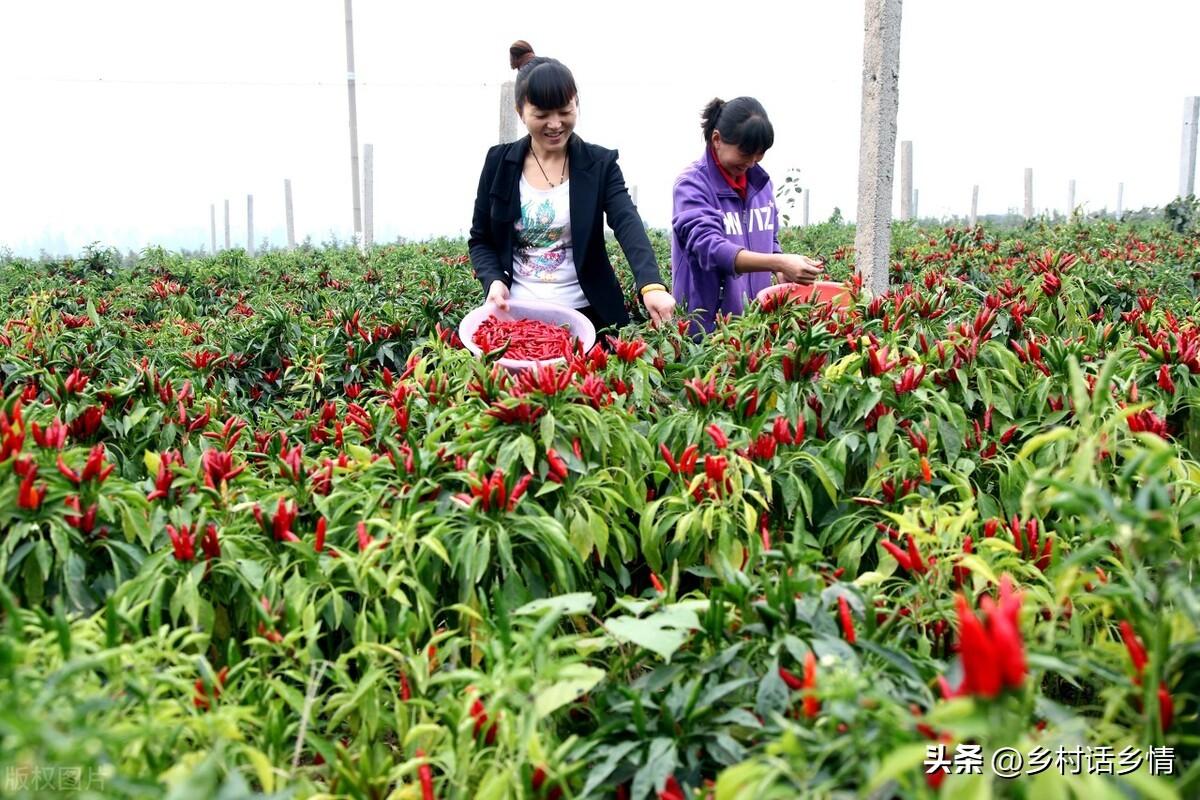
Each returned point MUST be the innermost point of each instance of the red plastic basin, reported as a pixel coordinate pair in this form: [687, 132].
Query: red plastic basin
[818, 292]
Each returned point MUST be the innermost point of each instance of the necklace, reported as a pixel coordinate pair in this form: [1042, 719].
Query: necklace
[561, 178]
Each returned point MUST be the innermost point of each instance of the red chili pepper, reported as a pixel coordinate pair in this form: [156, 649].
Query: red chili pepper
[518, 491]
[672, 790]
[926, 471]
[657, 583]
[1137, 652]
[812, 706]
[901, 557]
[668, 458]
[847, 620]
[319, 540]
[1164, 379]
[718, 436]
[962, 574]
[405, 689]
[914, 556]
[791, 679]
[687, 460]
[558, 467]
[783, 431]
[425, 773]
[1166, 706]
[524, 339]
[480, 715]
[203, 698]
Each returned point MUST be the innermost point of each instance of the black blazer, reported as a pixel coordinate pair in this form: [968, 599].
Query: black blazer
[596, 186]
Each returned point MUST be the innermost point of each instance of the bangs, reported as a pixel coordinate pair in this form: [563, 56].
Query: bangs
[756, 136]
[551, 85]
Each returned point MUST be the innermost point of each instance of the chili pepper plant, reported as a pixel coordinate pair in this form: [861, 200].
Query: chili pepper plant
[268, 529]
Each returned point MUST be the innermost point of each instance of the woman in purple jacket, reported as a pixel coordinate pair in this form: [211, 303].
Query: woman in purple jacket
[724, 227]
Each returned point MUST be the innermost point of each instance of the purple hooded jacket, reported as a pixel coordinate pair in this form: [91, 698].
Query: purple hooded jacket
[710, 223]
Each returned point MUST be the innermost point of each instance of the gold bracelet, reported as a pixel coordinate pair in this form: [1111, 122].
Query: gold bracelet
[653, 287]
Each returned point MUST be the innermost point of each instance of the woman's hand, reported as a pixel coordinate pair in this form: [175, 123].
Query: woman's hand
[798, 269]
[498, 295]
[660, 305]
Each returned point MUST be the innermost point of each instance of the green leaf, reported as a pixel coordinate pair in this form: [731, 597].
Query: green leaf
[262, 767]
[885, 428]
[739, 782]
[1039, 441]
[968, 787]
[660, 764]
[612, 758]
[978, 565]
[564, 604]
[575, 680]
[1148, 786]
[663, 632]
[772, 695]
[253, 572]
[898, 762]
[951, 440]
[824, 472]
[496, 784]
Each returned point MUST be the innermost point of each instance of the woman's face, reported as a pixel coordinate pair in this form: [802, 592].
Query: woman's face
[735, 162]
[550, 127]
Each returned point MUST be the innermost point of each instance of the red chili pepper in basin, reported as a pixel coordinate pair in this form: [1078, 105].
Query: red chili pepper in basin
[524, 339]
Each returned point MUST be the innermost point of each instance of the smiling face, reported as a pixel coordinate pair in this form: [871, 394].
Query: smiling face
[550, 128]
[732, 159]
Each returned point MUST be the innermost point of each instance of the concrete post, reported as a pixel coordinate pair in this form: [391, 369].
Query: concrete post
[916, 197]
[1028, 193]
[227, 244]
[510, 124]
[291, 220]
[250, 225]
[353, 118]
[368, 195]
[805, 216]
[1187, 157]
[877, 143]
[1120, 199]
[906, 187]
[212, 221]
[974, 218]
[1071, 198]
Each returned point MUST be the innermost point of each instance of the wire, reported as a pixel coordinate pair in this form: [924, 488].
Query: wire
[300, 84]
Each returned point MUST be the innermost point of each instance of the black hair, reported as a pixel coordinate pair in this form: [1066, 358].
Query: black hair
[545, 82]
[741, 122]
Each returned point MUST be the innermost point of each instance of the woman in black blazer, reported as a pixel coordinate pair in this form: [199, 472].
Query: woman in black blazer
[537, 231]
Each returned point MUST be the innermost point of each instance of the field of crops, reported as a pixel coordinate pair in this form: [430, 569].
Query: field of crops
[267, 529]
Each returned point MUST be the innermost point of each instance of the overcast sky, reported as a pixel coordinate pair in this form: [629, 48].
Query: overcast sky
[123, 121]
